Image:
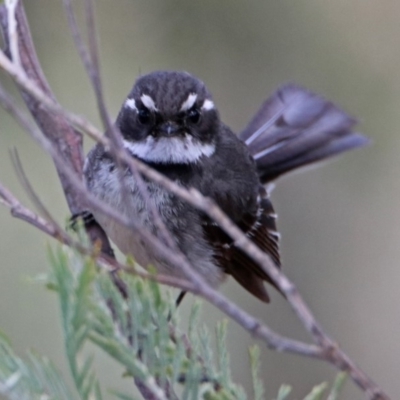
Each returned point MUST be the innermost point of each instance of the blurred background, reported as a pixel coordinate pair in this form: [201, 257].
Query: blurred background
[340, 223]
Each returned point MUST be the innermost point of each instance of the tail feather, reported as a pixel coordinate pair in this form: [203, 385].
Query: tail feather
[294, 128]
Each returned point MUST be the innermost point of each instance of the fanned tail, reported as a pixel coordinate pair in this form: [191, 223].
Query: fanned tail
[295, 128]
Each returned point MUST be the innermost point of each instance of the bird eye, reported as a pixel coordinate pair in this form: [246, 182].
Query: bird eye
[144, 116]
[193, 115]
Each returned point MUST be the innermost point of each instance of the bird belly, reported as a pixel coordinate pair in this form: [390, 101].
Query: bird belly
[189, 238]
[134, 209]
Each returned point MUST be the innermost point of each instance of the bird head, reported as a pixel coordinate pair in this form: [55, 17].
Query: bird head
[169, 117]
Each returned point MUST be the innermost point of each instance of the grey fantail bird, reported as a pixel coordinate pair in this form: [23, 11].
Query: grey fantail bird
[170, 122]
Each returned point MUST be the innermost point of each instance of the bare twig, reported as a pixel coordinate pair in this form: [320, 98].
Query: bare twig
[55, 127]
[29, 189]
[20, 212]
[77, 37]
[12, 31]
[89, 55]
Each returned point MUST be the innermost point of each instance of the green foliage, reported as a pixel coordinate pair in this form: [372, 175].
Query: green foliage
[284, 392]
[337, 386]
[31, 379]
[317, 392]
[136, 332]
[258, 387]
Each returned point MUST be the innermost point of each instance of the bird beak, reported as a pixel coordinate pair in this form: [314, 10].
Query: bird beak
[168, 129]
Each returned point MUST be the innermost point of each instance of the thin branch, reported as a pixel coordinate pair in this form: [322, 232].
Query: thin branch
[94, 62]
[19, 211]
[11, 6]
[89, 55]
[77, 37]
[55, 127]
[23, 179]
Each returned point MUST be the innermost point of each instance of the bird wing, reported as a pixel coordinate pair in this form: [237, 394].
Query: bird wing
[260, 227]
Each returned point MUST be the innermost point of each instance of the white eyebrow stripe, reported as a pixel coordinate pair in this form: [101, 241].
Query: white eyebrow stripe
[148, 102]
[130, 103]
[207, 105]
[189, 102]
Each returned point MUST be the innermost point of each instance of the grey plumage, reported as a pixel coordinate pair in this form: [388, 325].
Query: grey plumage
[169, 121]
